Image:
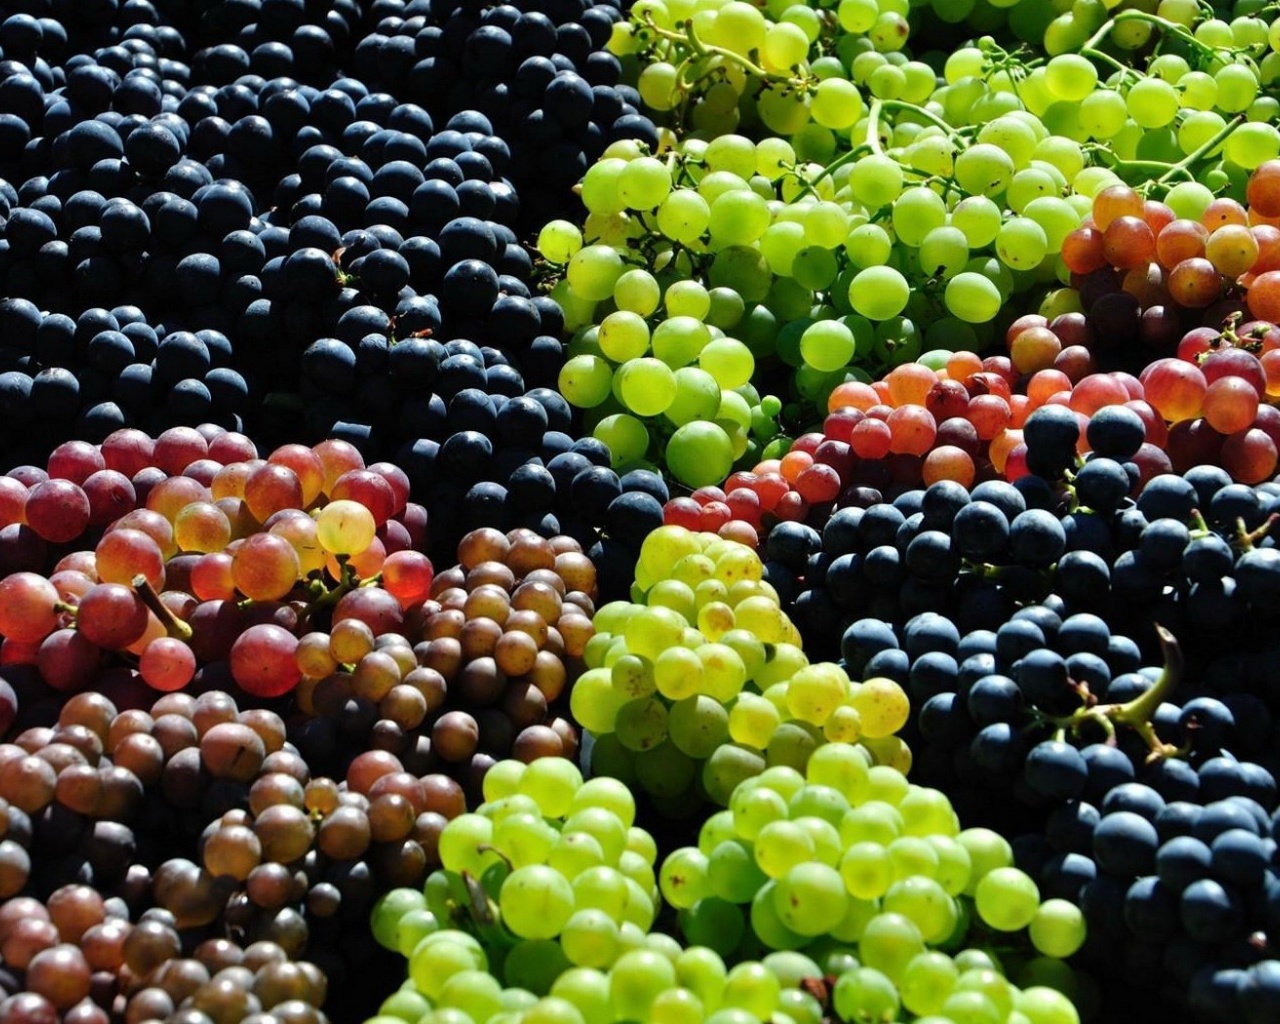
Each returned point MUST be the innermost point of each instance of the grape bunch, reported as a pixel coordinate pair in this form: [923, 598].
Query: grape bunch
[480, 669]
[702, 681]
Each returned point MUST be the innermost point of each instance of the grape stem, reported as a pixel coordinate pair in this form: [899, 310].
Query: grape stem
[1201, 151]
[1164, 24]
[1137, 713]
[175, 627]
[690, 37]
[329, 598]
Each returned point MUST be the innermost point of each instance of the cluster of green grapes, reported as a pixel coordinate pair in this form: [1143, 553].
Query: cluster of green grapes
[853, 852]
[857, 882]
[702, 682]
[826, 202]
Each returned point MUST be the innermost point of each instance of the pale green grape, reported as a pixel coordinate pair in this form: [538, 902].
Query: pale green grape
[1041, 1005]
[979, 218]
[593, 271]
[1056, 217]
[827, 345]
[678, 340]
[685, 878]
[917, 212]
[888, 944]
[644, 183]
[733, 153]
[984, 170]
[623, 336]
[1103, 113]
[1006, 899]
[601, 186]
[687, 298]
[865, 994]
[647, 387]
[698, 725]
[641, 724]
[785, 46]
[1152, 103]
[697, 396]
[927, 982]
[972, 298]
[1189, 199]
[810, 899]
[683, 216]
[781, 242]
[1237, 87]
[738, 218]
[657, 85]
[637, 291]
[1252, 144]
[944, 252]
[879, 293]
[739, 27]
[677, 673]
[780, 846]
[700, 453]
[636, 979]
[837, 104]
[558, 241]
[1070, 77]
[440, 956]
[1058, 928]
[1021, 243]
[857, 16]
[728, 360]
[726, 309]
[875, 181]
[586, 381]
[814, 268]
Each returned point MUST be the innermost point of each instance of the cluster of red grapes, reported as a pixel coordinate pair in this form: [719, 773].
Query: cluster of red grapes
[961, 421]
[198, 819]
[188, 549]
[476, 672]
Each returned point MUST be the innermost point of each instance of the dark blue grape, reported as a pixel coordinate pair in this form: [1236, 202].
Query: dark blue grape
[1125, 844]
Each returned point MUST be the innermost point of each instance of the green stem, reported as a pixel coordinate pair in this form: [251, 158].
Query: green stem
[176, 628]
[1164, 24]
[928, 115]
[1203, 150]
[690, 37]
[1137, 713]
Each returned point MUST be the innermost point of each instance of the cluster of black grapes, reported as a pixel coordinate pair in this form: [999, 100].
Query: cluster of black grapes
[289, 217]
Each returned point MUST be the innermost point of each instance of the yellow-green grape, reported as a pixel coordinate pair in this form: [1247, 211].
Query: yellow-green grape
[623, 336]
[644, 183]
[647, 386]
[875, 181]
[1070, 77]
[586, 381]
[879, 293]
[626, 437]
[837, 104]
[816, 691]
[637, 291]
[753, 720]
[558, 241]
[979, 218]
[1153, 103]
[683, 216]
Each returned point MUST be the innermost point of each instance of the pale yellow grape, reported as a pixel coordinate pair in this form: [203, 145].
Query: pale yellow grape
[763, 618]
[815, 691]
[637, 291]
[632, 676]
[593, 271]
[673, 594]
[739, 27]
[728, 360]
[843, 725]
[623, 336]
[345, 527]
[715, 618]
[753, 720]
[733, 153]
[677, 673]
[559, 240]
[723, 673]
[890, 752]
[666, 547]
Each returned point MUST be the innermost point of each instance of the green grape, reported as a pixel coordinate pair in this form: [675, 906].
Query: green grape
[523, 839]
[879, 293]
[875, 181]
[944, 252]
[1252, 144]
[600, 187]
[593, 271]
[1237, 87]
[857, 16]
[678, 340]
[461, 844]
[888, 944]
[683, 216]
[827, 345]
[810, 899]
[1103, 113]
[868, 245]
[1070, 77]
[623, 336]
[814, 268]
[698, 725]
[979, 218]
[984, 170]
[738, 218]
[865, 994]
[700, 453]
[917, 212]
[440, 956]
[866, 870]
[927, 982]
[478, 994]
[1152, 103]
[657, 85]
[924, 902]
[1021, 243]
[412, 928]
[687, 298]
[780, 846]
[552, 782]
[558, 241]
[752, 987]
[626, 437]
[387, 912]
[972, 298]
[644, 183]
[837, 104]
[697, 396]
[726, 309]
[1045, 1006]
[641, 724]
[728, 360]
[647, 387]
[781, 242]
[1006, 899]
[1012, 134]
[783, 111]
[1058, 928]
[636, 292]
[685, 877]
[1189, 199]
[635, 980]
[404, 1005]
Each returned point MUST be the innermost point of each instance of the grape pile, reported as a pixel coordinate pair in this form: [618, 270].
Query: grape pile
[703, 682]
[544, 908]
